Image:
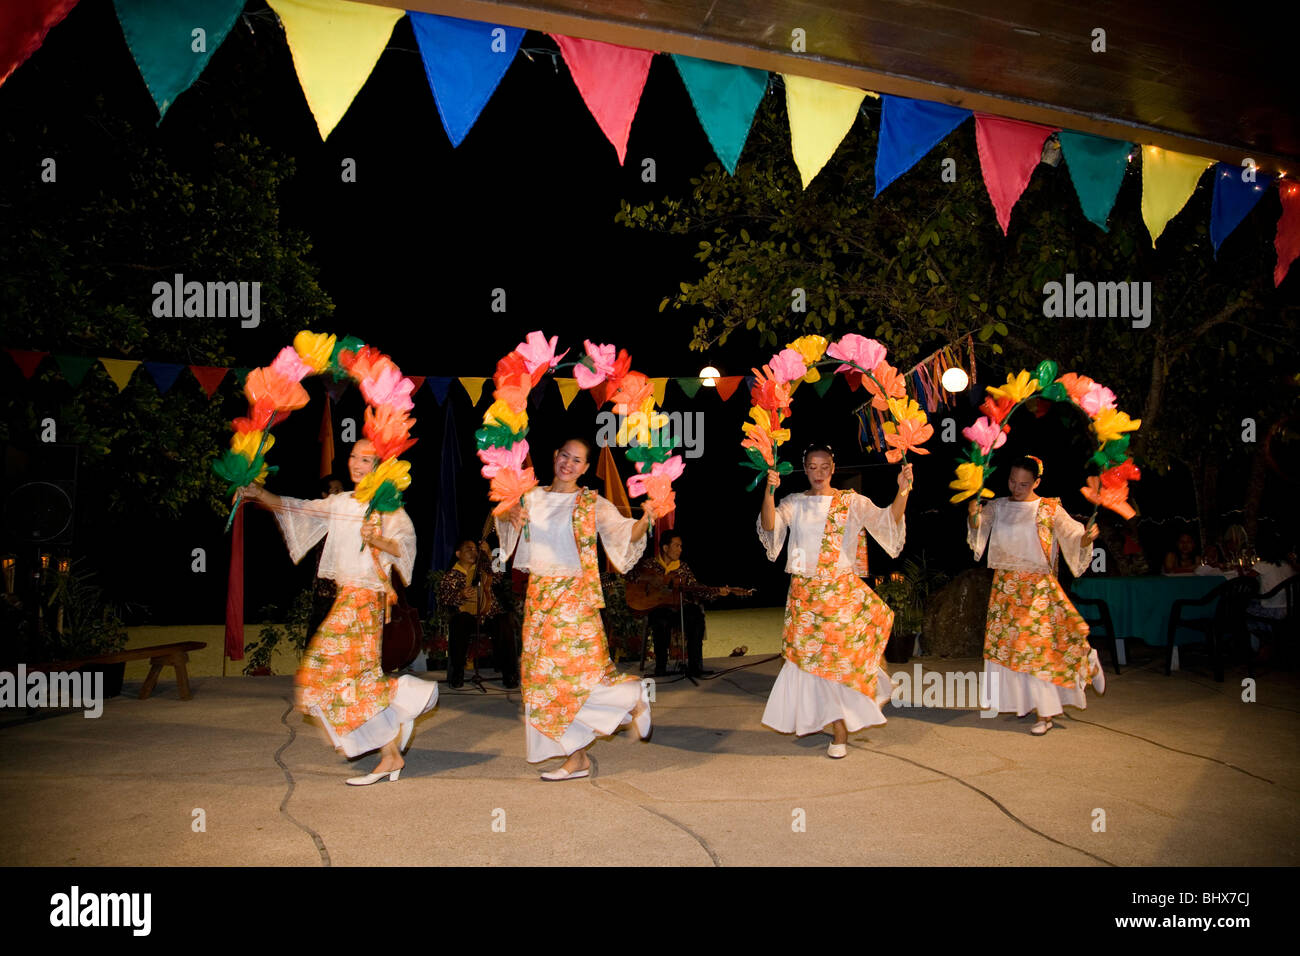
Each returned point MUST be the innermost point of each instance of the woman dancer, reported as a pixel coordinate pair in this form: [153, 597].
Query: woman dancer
[571, 689]
[1036, 652]
[836, 627]
[340, 680]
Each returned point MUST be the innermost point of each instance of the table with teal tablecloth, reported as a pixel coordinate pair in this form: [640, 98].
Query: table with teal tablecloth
[1140, 607]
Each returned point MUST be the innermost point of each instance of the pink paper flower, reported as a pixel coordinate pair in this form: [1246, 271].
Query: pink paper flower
[289, 365]
[787, 366]
[1097, 398]
[537, 351]
[986, 434]
[494, 459]
[602, 357]
[671, 470]
[858, 349]
[390, 388]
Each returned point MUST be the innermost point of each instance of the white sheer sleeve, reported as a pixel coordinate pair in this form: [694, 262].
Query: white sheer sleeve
[978, 538]
[397, 527]
[774, 540]
[303, 522]
[615, 532]
[880, 524]
[507, 538]
[1075, 548]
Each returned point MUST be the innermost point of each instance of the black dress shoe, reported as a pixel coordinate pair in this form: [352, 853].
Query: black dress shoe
[455, 683]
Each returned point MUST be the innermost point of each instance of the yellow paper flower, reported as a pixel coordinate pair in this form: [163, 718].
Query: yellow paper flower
[245, 443]
[261, 478]
[902, 410]
[969, 479]
[640, 424]
[810, 348]
[314, 348]
[500, 413]
[1017, 389]
[394, 470]
[763, 422]
[1110, 423]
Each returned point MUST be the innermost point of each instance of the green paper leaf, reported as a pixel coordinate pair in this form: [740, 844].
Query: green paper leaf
[1055, 392]
[498, 436]
[387, 498]
[1045, 373]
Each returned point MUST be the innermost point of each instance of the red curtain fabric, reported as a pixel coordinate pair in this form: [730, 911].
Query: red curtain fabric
[235, 591]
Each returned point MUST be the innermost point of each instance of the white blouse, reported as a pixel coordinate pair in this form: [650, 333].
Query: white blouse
[803, 515]
[551, 548]
[1010, 531]
[303, 522]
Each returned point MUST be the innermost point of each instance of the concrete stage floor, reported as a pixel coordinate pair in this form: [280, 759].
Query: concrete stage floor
[1184, 772]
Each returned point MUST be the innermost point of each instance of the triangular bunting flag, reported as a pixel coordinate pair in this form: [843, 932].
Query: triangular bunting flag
[164, 374]
[821, 115]
[23, 27]
[335, 45]
[727, 386]
[464, 61]
[416, 382]
[1009, 151]
[242, 373]
[161, 35]
[119, 370]
[333, 389]
[725, 97]
[689, 385]
[908, 130]
[26, 361]
[823, 385]
[1168, 181]
[661, 386]
[1287, 240]
[1096, 166]
[209, 377]
[74, 367]
[1233, 200]
[440, 385]
[473, 388]
[610, 79]
[569, 390]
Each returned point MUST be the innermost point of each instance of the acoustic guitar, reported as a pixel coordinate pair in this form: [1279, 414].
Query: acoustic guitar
[646, 594]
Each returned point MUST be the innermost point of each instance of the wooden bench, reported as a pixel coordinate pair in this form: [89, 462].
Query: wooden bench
[160, 656]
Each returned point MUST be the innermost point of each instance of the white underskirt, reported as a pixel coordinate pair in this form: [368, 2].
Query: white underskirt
[802, 703]
[608, 707]
[1010, 690]
[414, 696]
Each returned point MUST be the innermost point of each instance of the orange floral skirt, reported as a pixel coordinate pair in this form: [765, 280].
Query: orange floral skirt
[837, 628]
[565, 652]
[1034, 629]
[341, 672]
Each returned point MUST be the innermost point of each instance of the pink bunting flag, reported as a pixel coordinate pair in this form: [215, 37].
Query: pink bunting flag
[1287, 240]
[610, 79]
[1009, 151]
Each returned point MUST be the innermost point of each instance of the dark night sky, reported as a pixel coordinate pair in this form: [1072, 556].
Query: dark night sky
[411, 252]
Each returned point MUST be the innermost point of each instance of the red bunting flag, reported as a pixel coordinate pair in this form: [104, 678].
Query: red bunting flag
[209, 377]
[1009, 151]
[1287, 240]
[23, 27]
[610, 78]
[417, 381]
[27, 361]
[727, 386]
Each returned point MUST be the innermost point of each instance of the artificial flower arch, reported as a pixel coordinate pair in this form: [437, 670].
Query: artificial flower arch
[606, 372]
[1110, 427]
[276, 390]
[862, 361]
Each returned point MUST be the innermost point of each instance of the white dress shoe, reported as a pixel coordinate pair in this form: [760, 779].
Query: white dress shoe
[563, 774]
[370, 778]
[837, 751]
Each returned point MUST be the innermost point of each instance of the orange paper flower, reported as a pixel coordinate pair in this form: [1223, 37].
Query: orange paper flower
[513, 390]
[769, 393]
[890, 381]
[388, 430]
[906, 436]
[508, 486]
[632, 391]
[1076, 386]
[1114, 498]
[263, 387]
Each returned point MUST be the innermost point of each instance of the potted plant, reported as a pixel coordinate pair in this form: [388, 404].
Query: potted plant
[84, 625]
[288, 627]
[906, 592]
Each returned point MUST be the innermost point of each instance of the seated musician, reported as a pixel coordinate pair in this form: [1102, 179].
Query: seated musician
[467, 591]
[669, 582]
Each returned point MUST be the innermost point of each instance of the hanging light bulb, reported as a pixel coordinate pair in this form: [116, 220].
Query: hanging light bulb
[709, 376]
[955, 379]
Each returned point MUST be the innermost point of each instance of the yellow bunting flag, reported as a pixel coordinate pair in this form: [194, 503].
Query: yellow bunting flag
[821, 115]
[569, 389]
[335, 45]
[473, 388]
[1168, 181]
[661, 386]
[119, 370]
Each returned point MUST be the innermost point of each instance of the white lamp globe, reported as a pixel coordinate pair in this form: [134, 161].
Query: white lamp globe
[709, 376]
[955, 379]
